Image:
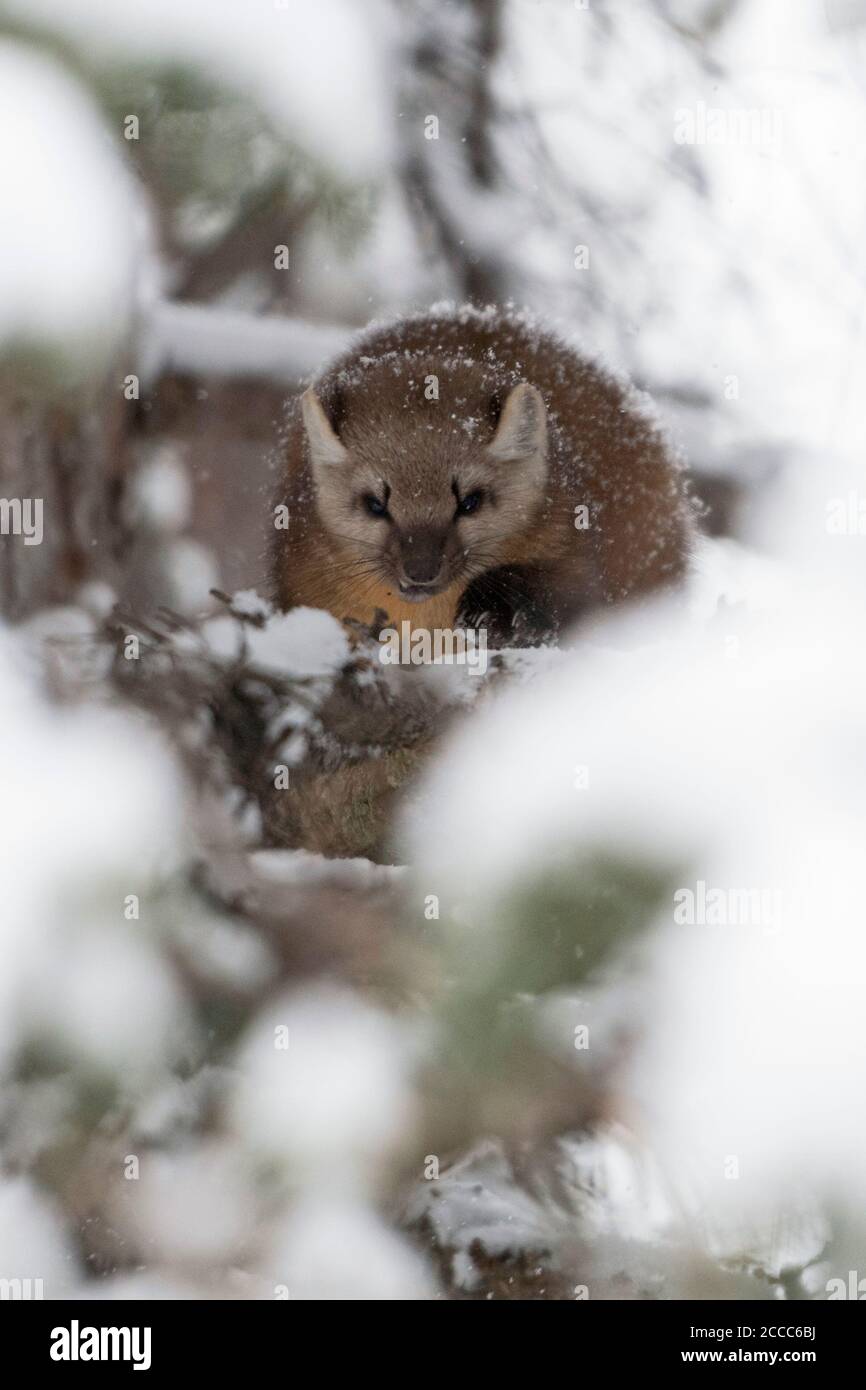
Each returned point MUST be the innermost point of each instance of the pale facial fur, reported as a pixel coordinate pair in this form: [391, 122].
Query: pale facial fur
[450, 508]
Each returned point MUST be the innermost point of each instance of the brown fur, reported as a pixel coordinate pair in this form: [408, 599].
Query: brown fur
[581, 437]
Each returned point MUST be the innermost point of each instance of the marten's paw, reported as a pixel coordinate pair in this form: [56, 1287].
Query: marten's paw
[512, 604]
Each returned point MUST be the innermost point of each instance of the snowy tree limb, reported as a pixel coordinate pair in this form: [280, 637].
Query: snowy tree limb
[205, 341]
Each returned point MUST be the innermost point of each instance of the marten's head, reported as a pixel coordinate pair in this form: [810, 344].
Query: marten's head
[421, 494]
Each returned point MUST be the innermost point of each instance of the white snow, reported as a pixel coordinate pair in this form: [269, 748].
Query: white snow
[333, 1102]
[304, 867]
[107, 999]
[330, 1248]
[190, 572]
[720, 747]
[709, 261]
[195, 1206]
[88, 797]
[315, 69]
[207, 340]
[33, 1243]
[72, 234]
[248, 603]
[303, 642]
[160, 491]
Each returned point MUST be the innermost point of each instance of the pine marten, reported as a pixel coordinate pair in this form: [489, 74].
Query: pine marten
[466, 466]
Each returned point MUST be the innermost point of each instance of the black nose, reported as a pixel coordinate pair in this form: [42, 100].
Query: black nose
[422, 557]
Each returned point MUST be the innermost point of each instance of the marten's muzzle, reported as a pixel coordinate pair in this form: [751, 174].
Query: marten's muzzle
[422, 555]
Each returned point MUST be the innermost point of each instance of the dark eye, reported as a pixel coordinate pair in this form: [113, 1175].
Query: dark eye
[375, 506]
[470, 503]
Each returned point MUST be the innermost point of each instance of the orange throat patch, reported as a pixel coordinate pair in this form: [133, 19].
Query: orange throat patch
[438, 612]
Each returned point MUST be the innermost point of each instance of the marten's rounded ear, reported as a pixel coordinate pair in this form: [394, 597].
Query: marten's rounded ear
[325, 448]
[522, 428]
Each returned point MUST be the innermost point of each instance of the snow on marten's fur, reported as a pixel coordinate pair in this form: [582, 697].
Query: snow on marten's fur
[466, 465]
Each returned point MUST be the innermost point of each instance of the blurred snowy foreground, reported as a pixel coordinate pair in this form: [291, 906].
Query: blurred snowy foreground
[237, 1129]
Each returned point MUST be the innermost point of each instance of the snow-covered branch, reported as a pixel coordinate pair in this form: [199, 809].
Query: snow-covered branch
[205, 341]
